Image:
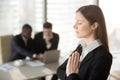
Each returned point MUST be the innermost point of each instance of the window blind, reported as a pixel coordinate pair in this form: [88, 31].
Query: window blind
[112, 16]
[62, 14]
[9, 16]
[39, 14]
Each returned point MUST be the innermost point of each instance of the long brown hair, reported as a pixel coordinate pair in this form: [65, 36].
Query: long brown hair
[94, 14]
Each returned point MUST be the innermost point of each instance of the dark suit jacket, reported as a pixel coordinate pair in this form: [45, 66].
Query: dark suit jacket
[95, 66]
[18, 48]
[40, 44]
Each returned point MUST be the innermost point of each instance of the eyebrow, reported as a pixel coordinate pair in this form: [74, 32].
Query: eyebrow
[80, 20]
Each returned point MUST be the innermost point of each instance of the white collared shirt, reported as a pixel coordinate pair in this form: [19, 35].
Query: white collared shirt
[50, 44]
[86, 48]
[25, 40]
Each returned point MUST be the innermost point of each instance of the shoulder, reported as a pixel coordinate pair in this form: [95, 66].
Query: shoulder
[55, 34]
[102, 52]
[30, 39]
[17, 37]
[39, 34]
[101, 49]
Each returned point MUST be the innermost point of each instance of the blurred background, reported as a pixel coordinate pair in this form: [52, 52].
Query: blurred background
[15, 13]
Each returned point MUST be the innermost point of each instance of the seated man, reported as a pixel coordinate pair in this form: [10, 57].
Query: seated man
[21, 45]
[46, 40]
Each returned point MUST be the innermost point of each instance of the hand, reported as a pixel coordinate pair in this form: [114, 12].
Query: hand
[34, 57]
[40, 56]
[28, 58]
[73, 64]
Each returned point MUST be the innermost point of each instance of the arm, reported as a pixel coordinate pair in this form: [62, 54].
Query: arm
[35, 44]
[98, 70]
[73, 76]
[61, 71]
[38, 47]
[64, 72]
[101, 67]
[73, 65]
[19, 49]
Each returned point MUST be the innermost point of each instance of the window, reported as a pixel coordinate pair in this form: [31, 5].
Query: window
[39, 14]
[62, 14]
[9, 16]
[15, 13]
[112, 15]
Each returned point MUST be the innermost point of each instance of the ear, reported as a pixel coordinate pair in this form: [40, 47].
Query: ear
[95, 25]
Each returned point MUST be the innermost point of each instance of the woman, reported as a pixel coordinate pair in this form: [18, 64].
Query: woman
[91, 60]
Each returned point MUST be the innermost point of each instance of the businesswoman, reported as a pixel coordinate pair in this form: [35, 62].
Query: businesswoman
[91, 60]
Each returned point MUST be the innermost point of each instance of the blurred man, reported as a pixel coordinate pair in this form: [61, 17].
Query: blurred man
[46, 40]
[21, 45]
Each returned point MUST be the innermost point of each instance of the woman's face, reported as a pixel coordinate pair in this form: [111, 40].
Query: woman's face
[82, 27]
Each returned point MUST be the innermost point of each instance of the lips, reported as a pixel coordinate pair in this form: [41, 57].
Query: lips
[76, 31]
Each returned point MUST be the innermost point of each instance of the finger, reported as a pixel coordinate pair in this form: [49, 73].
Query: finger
[77, 62]
[74, 62]
[73, 59]
[68, 67]
[69, 62]
[76, 58]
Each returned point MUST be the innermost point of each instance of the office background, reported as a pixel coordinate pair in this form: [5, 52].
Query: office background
[15, 13]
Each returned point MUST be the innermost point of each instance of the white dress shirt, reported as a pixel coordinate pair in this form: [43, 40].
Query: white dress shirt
[50, 44]
[25, 40]
[88, 47]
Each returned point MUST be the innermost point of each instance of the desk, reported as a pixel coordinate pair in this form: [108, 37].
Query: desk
[115, 74]
[115, 69]
[26, 72]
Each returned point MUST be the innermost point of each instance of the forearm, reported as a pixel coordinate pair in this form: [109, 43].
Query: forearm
[61, 71]
[73, 76]
[20, 50]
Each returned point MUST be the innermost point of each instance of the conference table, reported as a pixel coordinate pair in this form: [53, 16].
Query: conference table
[115, 68]
[115, 74]
[26, 72]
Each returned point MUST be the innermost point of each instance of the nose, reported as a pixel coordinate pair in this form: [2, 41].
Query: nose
[75, 26]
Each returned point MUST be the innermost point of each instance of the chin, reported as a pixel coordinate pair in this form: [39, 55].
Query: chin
[78, 36]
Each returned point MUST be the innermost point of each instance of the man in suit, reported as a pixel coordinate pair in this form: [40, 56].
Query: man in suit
[21, 45]
[46, 40]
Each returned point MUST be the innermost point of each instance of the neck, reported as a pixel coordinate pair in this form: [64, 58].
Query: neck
[89, 39]
[24, 37]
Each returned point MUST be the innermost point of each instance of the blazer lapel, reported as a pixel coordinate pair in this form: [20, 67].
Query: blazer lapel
[21, 40]
[78, 49]
[87, 57]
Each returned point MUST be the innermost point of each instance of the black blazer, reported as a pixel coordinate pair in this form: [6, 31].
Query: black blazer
[40, 44]
[95, 66]
[18, 48]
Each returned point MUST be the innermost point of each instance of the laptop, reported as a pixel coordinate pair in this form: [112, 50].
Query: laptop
[51, 56]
